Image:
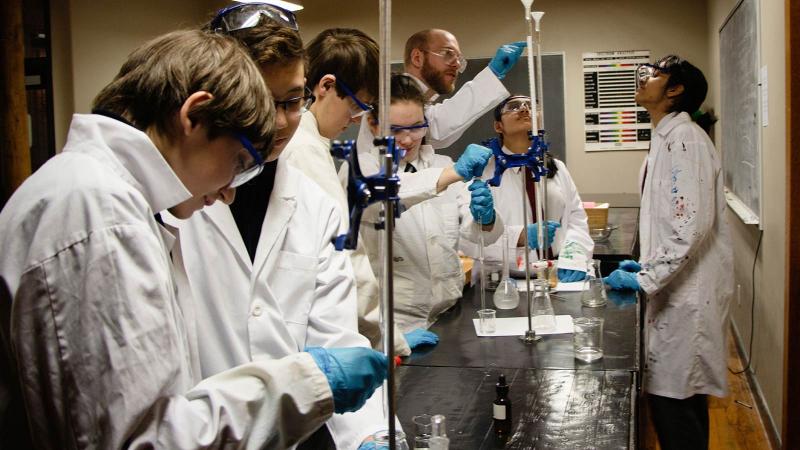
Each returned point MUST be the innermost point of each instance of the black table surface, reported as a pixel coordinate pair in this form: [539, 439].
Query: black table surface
[550, 409]
[620, 243]
[459, 345]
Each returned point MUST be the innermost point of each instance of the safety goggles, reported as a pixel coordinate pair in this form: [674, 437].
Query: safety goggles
[450, 56]
[416, 132]
[251, 172]
[517, 105]
[362, 108]
[248, 15]
[646, 71]
[296, 106]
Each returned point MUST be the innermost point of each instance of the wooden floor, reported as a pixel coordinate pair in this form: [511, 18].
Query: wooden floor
[732, 425]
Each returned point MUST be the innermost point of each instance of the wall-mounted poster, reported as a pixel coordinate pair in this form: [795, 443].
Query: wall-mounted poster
[613, 121]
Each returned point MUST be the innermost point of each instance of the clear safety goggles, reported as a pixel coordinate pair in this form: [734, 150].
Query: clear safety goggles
[248, 15]
[251, 172]
[517, 105]
[450, 56]
[296, 106]
[415, 132]
[647, 71]
[361, 107]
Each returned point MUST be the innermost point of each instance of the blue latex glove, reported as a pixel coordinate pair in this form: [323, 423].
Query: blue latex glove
[533, 233]
[472, 162]
[630, 265]
[353, 374]
[369, 445]
[505, 58]
[622, 280]
[569, 275]
[482, 205]
[421, 336]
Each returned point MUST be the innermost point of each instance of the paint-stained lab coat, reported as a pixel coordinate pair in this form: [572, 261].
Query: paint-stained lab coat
[297, 292]
[428, 276]
[99, 323]
[686, 256]
[571, 243]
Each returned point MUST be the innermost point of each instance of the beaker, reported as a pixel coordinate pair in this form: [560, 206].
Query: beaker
[588, 338]
[486, 321]
[506, 295]
[594, 289]
[542, 314]
[382, 440]
[493, 271]
[422, 431]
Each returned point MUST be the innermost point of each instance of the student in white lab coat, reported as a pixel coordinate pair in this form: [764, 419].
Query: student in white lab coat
[343, 76]
[684, 240]
[567, 227]
[101, 325]
[428, 277]
[284, 287]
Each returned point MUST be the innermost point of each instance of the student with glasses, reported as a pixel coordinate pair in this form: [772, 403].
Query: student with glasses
[566, 222]
[102, 320]
[428, 276]
[267, 278]
[434, 60]
[685, 242]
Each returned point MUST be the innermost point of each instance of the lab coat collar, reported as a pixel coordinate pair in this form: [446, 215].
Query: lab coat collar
[309, 124]
[424, 158]
[424, 88]
[671, 121]
[282, 205]
[131, 155]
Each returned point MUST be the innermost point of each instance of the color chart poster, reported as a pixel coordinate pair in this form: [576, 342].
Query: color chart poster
[613, 121]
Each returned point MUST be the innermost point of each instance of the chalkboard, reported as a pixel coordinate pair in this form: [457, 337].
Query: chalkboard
[741, 134]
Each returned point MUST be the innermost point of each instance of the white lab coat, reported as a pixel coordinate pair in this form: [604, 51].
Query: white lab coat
[571, 243]
[298, 292]
[98, 327]
[686, 254]
[428, 277]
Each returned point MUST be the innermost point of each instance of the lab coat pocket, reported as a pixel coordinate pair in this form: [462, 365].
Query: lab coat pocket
[293, 282]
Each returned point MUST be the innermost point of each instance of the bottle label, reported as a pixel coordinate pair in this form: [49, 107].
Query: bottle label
[500, 412]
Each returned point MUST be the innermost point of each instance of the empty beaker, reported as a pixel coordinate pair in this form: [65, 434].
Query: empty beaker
[594, 289]
[542, 315]
[588, 338]
[382, 440]
[486, 321]
[422, 431]
[506, 295]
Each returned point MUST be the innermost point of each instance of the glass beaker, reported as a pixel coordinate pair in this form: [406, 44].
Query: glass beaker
[486, 321]
[588, 338]
[594, 289]
[506, 295]
[382, 440]
[542, 314]
[422, 431]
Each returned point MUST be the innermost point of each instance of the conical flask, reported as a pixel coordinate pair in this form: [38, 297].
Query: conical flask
[506, 295]
[594, 290]
[542, 315]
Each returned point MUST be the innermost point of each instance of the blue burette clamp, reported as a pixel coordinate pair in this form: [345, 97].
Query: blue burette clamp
[532, 159]
[363, 191]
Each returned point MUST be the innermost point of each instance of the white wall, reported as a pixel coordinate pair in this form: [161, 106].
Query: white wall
[768, 344]
[573, 26]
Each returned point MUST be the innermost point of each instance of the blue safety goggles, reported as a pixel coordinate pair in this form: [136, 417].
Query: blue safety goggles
[251, 172]
[248, 15]
[363, 107]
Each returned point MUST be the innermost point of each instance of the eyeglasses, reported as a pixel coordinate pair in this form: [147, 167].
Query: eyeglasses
[363, 108]
[517, 105]
[414, 131]
[450, 56]
[251, 172]
[248, 15]
[647, 71]
[296, 106]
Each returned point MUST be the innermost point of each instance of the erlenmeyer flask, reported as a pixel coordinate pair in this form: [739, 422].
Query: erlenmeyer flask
[542, 315]
[594, 290]
[506, 295]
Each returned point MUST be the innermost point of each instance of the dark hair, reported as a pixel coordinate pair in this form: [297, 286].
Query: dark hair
[270, 42]
[403, 88]
[417, 40]
[348, 54]
[548, 157]
[160, 75]
[695, 86]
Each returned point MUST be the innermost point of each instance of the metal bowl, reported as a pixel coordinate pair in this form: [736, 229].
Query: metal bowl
[601, 234]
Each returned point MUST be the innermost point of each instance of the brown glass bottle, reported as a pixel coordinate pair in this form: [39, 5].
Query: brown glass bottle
[501, 408]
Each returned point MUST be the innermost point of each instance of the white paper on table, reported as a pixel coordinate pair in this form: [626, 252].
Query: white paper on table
[575, 286]
[517, 326]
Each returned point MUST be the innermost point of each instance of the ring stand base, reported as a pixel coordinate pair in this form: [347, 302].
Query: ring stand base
[530, 337]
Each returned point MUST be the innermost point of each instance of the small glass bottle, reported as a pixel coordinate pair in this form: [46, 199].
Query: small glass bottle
[501, 408]
[439, 439]
[381, 439]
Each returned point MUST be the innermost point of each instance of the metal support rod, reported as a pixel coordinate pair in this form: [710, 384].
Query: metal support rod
[387, 293]
[541, 200]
